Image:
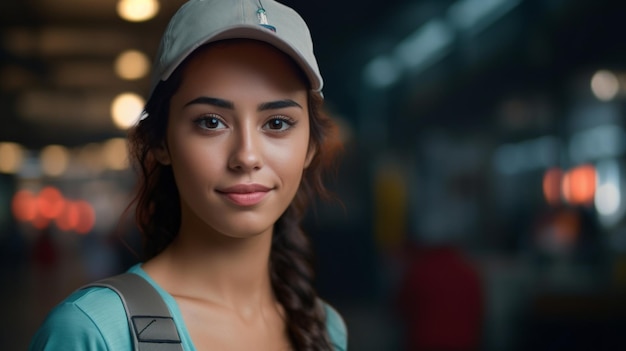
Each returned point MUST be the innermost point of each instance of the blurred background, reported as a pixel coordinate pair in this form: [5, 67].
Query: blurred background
[480, 188]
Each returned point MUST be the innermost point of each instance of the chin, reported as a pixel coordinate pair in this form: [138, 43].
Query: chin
[243, 228]
[227, 222]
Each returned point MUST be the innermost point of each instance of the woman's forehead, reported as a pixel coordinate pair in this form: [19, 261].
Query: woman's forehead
[239, 64]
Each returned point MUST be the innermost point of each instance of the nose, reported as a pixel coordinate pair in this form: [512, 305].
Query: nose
[246, 152]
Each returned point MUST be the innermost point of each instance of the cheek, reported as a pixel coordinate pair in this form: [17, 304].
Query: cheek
[289, 161]
[193, 160]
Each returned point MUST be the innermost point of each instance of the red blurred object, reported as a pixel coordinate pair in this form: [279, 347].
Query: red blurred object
[441, 301]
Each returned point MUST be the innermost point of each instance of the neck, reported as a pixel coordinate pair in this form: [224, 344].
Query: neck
[232, 272]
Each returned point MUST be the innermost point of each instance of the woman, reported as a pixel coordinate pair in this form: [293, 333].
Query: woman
[231, 148]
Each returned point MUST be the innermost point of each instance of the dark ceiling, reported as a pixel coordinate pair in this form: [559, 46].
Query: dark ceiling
[63, 51]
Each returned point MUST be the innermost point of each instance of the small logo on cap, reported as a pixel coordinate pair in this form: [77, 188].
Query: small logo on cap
[263, 18]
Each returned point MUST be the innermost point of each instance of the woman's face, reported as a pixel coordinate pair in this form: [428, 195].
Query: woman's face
[237, 138]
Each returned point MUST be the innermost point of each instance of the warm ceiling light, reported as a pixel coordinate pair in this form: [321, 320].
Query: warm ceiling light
[132, 64]
[126, 109]
[11, 157]
[137, 10]
[54, 160]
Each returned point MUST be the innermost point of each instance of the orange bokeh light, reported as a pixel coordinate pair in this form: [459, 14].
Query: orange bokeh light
[552, 185]
[86, 218]
[24, 206]
[50, 202]
[68, 219]
[579, 185]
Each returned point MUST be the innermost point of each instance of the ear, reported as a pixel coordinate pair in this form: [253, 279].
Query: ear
[309, 155]
[162, 155]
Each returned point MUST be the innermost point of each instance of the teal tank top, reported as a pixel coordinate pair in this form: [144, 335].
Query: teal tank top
[94, 319]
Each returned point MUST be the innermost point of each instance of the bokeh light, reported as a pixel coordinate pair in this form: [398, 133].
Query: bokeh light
[604, 85]
[132, 64]
[115, 154]
[24, 206]
[137, 10]
[579, 185]
[69, 217]
[552, 185]
[90, 157]
[50, 202]
[11, 157]
[126, 109]
[54, 160]
[608, 199]
[50, 205]
[86, 217]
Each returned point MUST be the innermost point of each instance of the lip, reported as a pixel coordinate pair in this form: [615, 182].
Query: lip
[245, 194]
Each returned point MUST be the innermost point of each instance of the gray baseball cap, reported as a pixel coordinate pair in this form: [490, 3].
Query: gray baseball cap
[199, 22]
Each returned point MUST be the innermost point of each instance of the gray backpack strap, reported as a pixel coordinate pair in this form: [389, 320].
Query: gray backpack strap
[152, 327]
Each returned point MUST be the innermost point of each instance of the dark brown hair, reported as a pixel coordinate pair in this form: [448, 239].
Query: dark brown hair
[158, 213]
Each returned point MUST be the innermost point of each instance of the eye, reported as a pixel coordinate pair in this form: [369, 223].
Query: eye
[209, 122]
[279, 124]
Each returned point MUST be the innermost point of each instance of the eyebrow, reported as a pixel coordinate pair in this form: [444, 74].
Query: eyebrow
[205, 100]
[275, 105]
[271, 105]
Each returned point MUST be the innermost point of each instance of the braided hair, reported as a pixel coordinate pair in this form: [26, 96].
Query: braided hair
[158, 214]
